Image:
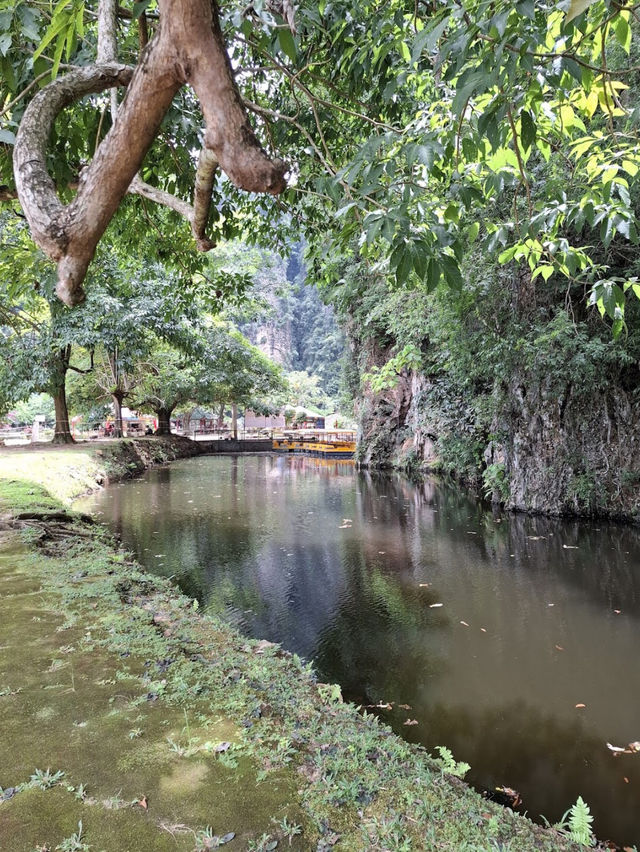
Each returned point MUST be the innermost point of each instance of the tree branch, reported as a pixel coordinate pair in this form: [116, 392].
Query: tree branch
[159, 196]
[188, 47]
[205, 178]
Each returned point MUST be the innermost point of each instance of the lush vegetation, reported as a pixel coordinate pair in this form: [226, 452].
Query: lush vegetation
[144, 338]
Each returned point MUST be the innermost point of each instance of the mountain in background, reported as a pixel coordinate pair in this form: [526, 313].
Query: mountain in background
[293, 326]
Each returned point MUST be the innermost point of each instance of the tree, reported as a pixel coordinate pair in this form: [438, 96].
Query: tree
[187, 47]
[218, 367]
[169, 381]
[37, 355]
[402, 119]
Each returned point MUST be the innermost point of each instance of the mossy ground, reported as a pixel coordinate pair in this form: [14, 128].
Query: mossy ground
[166, 722]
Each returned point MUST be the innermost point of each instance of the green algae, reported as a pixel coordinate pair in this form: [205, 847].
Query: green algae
[74, 711]
[169, 721]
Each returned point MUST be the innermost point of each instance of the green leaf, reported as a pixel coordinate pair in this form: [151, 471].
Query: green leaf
[546, 270]
[287, 44]
[452, 272]
[7, 137]
[433, 275]
[139, 8]
[405, 265]
[467, 85]
[427, 39]
[577, 7]
[528, 130]
[623, 32]
[57, 25]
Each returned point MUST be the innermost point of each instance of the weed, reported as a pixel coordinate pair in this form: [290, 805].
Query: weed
[74, 843]
[262, 844]
[576, 822]
[45, 780]
[135, 733]
[289, 829]
[206, 839]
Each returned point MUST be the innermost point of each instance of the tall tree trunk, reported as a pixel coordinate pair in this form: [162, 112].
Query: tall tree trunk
[234, 420]
[117, 397]
[220, 423]
[164, 421]
[62, 432]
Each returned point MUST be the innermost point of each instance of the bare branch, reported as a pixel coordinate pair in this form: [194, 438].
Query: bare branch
[107, 44]
[207, 68]
[159, 196]
[43, 209]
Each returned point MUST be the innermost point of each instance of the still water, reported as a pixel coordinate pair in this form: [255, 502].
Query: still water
[491, 628]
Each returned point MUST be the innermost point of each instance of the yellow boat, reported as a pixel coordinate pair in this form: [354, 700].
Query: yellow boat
[319, 442]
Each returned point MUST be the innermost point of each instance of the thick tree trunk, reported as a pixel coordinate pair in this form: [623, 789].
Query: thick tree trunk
[117, 398]
[62, 432]
[188, 48]
[234, 420]
[220, 422]
[164, 421]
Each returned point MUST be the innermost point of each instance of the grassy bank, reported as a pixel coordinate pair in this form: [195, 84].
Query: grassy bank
[133, 722]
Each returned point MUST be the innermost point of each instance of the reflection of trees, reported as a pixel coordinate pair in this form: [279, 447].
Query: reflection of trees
[272, 553]
[380, 636]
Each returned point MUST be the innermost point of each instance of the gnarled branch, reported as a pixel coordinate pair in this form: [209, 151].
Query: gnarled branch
[187, 47]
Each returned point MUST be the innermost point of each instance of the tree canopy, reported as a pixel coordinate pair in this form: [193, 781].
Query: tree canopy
[399, 122]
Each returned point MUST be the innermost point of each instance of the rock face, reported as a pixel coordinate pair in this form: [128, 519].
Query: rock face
[574, 452]
[552, 449]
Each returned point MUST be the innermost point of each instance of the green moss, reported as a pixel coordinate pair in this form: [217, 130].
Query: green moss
[110, 676]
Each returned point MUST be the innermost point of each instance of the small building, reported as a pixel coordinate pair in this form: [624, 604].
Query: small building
[263, 421]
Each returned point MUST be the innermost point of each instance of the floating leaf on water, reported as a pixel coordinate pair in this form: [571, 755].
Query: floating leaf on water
[570, 546]
[617, 611]
[464, 623]
[580, 706]
[483, 629]
[424, 585]
[559, 648]
[411, 722]
[616, 749]
[433, 606]
[404, 706]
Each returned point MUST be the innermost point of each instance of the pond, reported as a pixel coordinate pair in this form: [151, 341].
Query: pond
[512, 640]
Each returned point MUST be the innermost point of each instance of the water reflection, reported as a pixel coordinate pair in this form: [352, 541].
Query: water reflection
[348, 569]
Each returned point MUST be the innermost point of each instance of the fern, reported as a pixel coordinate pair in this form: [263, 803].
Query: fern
[580, 820]
[449, 764]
